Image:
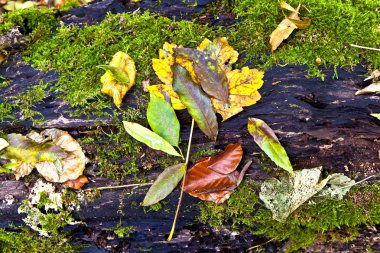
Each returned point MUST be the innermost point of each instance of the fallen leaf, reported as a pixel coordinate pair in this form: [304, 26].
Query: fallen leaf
[243, 85]
[119, 77]
[376, 115]
[207, 72]
[53, 152]
[164, 184]
[220, 51]
[159, 89]
[163, 120]
[77, 183]
[3, 144]
[149, 138]
[268, 142]
[374, 74]
[215, 178]
[287, 25]
[372, 88]
[16, 5]
[197, 102]
[283, 196]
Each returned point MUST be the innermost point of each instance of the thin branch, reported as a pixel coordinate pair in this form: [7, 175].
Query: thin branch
[369, 48]
[183, 183]
[259, 245]
[118, 186]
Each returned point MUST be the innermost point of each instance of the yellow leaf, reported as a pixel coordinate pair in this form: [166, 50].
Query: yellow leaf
[221, 51]
[121, 68]
[188, 65]
[243, 85]
[174, 99]
[287, 25]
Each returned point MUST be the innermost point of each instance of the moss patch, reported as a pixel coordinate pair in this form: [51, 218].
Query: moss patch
[322, 221]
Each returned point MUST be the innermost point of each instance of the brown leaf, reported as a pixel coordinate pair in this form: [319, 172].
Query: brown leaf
[215, 178]
[77, 183]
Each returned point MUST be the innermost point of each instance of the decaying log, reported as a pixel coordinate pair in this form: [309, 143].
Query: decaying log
[319, 123]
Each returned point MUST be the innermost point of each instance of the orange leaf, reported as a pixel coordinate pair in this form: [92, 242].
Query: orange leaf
[215, 178]
[77, 183]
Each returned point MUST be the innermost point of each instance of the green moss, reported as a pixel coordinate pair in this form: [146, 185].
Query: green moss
[37, 23]
[327, 220]
[334, 25]
[123, 231]
[24, 240]
[202, 152]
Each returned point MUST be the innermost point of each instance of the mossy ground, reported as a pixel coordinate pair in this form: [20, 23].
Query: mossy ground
[325, 220]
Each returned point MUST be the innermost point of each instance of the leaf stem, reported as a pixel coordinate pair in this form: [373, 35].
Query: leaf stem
[183, 183]
[369, 48]
[259, 245]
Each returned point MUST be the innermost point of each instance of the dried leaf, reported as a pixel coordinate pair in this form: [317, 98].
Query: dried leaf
[3, 144]
[77, 183]
[243, 85]
[119, 77]
[220, 51]
[54, 153]
[287, 25]
[372, 88]
[69, 166]
[164, 184]
[215, 178]
[198, 104]
[376, 115]
[268, 142]
[149, 138]
[285, 195]
[211, 77]
[163, 120]
[16, 5]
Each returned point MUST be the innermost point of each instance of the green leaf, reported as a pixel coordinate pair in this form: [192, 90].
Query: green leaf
[149, 137]
[8, 168]
[211, 77]
[119, 75]
[268, 142]
[197, 102]
[285, 195]
[164, 184]
[376, 115]
[3, 144]
[163, 120]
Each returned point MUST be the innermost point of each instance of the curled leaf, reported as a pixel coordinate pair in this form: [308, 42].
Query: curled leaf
[149, 138]
[119, 77]
[287, 25]
[53, 152]
[164, 184]
[197, 102]
[163, 120]
[243, 85]
[208, 73]
[215, 178]
[77, 183]
[283, 196]
[372, 88]
[268, 142]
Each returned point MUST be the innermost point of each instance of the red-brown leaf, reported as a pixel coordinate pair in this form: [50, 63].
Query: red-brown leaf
[215, 178]
[227, 161]
[77, 183]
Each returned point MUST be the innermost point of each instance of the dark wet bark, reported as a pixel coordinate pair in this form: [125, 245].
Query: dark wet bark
[320, 123]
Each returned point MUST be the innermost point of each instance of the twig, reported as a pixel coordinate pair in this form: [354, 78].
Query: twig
[361, 181]
[369, 48]
[261, 244]
[183, 183]
[118, 186]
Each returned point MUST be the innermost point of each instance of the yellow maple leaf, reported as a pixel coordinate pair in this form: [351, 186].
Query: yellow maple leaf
[168, 89]
[287, 25]
[243, 85]
[119, 77]
[221, 51]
